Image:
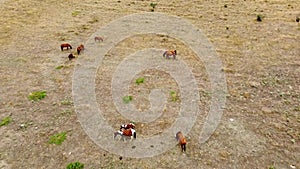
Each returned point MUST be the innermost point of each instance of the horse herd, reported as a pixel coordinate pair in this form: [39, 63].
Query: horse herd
[167, 54]
[127, 131]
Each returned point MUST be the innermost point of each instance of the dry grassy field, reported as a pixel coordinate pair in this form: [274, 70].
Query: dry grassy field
[260, 126]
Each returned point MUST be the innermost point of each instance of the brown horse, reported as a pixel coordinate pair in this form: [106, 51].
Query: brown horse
[97, 38]
[169, 53]
[80, 48]
[65, 45]
[71, 56]
[182, 141]
[125, 133]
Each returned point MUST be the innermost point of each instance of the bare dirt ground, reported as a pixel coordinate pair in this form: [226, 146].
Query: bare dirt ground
[259, 127]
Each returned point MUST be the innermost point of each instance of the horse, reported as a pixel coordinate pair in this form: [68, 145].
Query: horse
[127, 126]
[182, 141]
[169, 53]
[80, 48]
[97, 38]
[65, 45]
[71, 56]
[125, 133]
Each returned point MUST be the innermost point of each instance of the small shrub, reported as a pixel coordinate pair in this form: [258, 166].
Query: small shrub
[75, 165]
[38, 95]
[127, 99]
[174, 96]
[153, 5]
[139, 80]
[58, 138]
[259, 18]
[5, 121]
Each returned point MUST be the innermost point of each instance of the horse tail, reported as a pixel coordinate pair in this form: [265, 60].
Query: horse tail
[70, 46]
[61, 47]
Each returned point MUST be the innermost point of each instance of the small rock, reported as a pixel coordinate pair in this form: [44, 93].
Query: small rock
[292, 166]
[254, 84]
[231, 119]
[266, 110]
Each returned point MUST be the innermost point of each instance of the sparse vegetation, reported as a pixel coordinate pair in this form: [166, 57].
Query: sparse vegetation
[38, 95]
[139, 80]
[5, 121]
[75, 165]
[75, 13]
[127, 99]
[60, 67]
[174, 96]
[58, 138]
[153, 5]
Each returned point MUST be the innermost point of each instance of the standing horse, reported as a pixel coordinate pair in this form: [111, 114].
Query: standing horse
[127, 126]
[169, 53]
[182, 141]
[126, 133]
[97, 38]
[71, 56]
[80, 48]
[65, 45]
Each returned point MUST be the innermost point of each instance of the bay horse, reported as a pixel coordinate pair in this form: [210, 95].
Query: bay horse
[127, 126]
[125, 133]
[71, 56]
[169, 53]
[65, 45]
[97, 38]
[181, 140]
[80, 48]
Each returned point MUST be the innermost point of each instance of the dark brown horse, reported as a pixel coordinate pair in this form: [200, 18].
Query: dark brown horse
[71, 56]
[169, 53]
[65, 45]
[182, 141]
[80, 48]
[97, 38]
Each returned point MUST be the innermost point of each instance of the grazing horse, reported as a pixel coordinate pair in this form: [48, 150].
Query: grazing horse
[126, 133]
[80, 48]
[97, 38]
[127, 126]
[71, 56]
[65, 45]
[182, 141]
[169, 53]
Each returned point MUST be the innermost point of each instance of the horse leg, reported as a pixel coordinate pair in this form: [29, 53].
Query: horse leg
[62, 48]
[174, 57]
[70, 47]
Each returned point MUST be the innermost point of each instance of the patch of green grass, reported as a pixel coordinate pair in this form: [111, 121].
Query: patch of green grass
[75, 165]
[60, 67]
[127, 99]
[174, 96]
[58, 138]
[75, 13]
[5, 121]
[38, 95]
[271, 167]
[139, 80]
